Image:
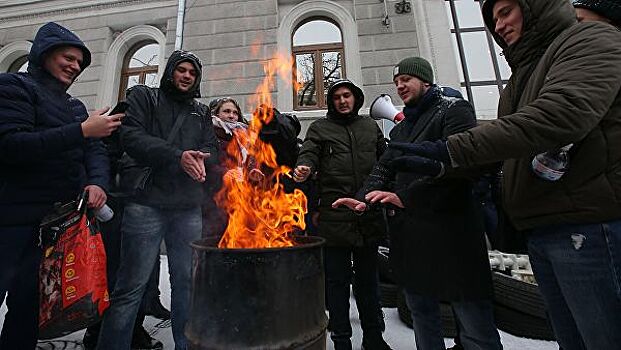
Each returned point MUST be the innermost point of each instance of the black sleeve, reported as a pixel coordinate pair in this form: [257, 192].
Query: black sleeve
[20, 141]
[97, 164]
[135, 137]
[380, 177]
[282, 133]
[210, 140]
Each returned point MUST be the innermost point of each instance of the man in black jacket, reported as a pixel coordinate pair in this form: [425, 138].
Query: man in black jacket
[437, 245]
[168, 205]
[49, 152]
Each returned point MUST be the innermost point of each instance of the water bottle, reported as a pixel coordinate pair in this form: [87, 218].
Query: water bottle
[104, 213]
[552, 165]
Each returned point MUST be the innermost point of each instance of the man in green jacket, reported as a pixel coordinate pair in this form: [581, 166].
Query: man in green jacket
[342, 148]
[565, 89]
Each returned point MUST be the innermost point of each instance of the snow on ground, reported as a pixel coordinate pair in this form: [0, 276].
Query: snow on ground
[397, 334]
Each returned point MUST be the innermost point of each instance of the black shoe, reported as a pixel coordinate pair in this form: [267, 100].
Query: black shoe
[141, 340]
[157, 310]
[342, 344]
[89, 342]
[375, 344]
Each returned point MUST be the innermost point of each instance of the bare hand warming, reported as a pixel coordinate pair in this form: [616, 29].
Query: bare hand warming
[193, 163]
[350, 203]
[384, 198]
[99, 125]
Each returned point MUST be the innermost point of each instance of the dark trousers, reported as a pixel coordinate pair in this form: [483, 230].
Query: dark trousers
[19, 275]
[340, 273]
[111, 234]
[578, 269]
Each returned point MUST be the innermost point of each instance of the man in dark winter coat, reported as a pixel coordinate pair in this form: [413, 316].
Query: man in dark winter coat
[565, 88]
[49, 152]
[168, 206]
[342, 148]
[437, 246]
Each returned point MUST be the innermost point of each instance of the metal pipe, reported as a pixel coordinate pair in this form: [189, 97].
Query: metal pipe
[179, 31]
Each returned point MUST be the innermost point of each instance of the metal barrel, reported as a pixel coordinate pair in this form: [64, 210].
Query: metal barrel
[266, 299]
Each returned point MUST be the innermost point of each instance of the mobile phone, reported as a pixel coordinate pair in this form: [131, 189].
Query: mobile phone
[120, 107]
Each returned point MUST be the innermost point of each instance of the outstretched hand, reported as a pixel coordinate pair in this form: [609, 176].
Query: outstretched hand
[384, 198]
[193, 163]
[350, 203]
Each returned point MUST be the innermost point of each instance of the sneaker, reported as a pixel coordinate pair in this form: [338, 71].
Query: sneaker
[141, 340]
[157, 310]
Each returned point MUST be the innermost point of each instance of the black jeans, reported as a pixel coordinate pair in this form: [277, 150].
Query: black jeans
[340, 273]
[19, 275]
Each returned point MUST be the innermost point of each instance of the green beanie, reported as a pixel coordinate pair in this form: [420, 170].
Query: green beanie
[415, 66]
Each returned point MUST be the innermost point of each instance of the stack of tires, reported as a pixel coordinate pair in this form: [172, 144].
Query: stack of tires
[519, 308]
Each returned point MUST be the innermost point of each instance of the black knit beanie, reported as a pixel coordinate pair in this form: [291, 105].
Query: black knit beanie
[610, 9]
[415, 66]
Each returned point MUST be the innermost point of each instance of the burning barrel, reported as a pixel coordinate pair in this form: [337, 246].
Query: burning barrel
[271, 298]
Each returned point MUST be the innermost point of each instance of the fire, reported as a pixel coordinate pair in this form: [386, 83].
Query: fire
[261, 214]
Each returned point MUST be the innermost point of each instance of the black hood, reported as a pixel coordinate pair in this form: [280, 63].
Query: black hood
[166, 84]
[49, 37]
[358, 95]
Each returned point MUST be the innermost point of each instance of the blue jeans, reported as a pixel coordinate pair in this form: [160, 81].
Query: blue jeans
[340, 273]
[578, 269]
[475, 320]
[143, 229]
[19, 277]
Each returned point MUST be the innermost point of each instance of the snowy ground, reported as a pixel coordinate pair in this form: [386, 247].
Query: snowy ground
[397, 334]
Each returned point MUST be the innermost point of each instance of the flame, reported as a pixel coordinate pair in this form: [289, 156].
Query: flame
[261, 214]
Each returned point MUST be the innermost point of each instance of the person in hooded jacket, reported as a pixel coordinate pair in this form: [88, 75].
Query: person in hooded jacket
[565, 88]
[169, 206]
[607, 11]
[342, 148]
[50, 151]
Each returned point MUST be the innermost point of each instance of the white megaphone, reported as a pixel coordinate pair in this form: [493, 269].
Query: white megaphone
[382, 108]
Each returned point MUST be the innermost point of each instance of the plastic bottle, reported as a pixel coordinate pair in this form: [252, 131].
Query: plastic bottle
[104, 213]
[552, 165]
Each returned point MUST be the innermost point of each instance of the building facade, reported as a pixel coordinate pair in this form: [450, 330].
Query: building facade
[329, 39]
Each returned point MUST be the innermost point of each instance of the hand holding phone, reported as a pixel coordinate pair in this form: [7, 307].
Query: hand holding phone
[120, 107]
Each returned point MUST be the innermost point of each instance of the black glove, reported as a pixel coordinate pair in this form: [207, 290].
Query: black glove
[418, 165]
[429, 149]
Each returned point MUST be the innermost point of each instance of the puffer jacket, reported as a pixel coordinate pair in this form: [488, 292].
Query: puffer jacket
[565, 88]
[343, 149]
[148, 121]
[44, 157]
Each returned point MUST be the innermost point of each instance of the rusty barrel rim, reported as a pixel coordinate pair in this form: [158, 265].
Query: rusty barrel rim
[304, 242]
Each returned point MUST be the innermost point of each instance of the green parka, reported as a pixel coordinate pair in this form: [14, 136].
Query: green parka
[564, 88]
[342, 149]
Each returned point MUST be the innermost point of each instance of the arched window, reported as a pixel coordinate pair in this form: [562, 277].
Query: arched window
[19, 65]
[318, 52]
[140, 67]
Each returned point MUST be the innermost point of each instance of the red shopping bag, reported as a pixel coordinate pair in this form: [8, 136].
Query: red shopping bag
[73, 290]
